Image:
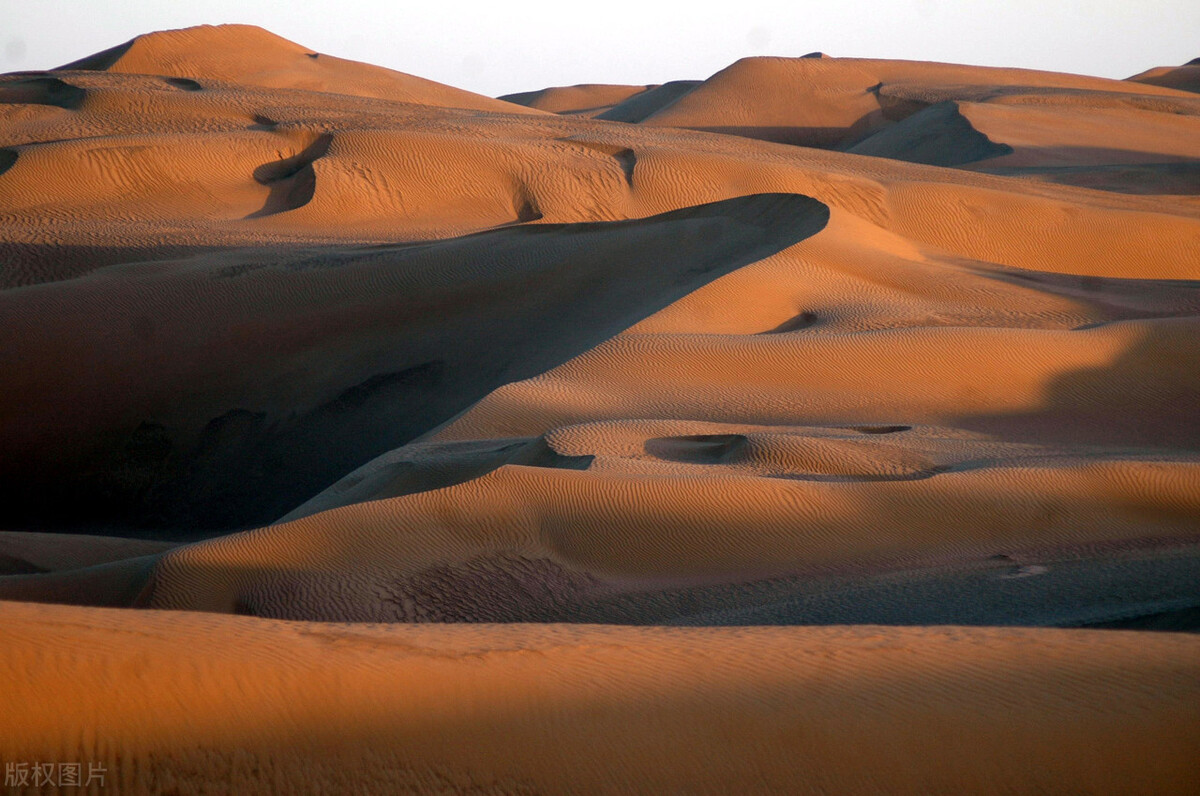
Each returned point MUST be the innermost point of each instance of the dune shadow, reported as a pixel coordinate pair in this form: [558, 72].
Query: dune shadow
[1148, 395]
[98, 62]
[1114, 170]
[184, 83]
[41, 90]
[39, 263]
[441, 324]
[938, 135]
[814, 137]
[8, 158]
[646, 103]
[293, 181]
[697, 448]
[803, 320]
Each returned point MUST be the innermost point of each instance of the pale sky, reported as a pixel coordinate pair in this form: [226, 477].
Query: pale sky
[500, 47]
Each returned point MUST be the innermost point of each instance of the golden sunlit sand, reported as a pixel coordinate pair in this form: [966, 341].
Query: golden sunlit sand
[896, 358]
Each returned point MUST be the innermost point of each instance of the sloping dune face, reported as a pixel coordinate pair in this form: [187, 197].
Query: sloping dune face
[240, 704]
[812, 342]
[585, 100]
[1184, 78]
[414, 335]
[249, 55]
[1106, 134]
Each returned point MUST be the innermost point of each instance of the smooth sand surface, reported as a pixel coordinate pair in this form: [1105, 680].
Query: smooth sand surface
[187, 703]
[813, 342]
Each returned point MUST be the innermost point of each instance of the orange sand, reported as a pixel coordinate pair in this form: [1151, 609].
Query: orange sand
[193, 702]
[343, 344]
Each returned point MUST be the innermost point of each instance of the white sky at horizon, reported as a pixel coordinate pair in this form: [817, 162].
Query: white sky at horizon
[499, 48]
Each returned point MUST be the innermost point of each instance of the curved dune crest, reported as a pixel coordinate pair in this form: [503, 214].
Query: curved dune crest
[250, 55]
[420, 331]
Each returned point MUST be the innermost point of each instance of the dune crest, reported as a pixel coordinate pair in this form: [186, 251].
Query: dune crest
[1097, 133]
[249, 55]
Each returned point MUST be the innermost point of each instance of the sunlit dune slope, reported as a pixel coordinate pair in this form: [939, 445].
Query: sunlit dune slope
[252, 56]
[1105, 134]
[191, 703]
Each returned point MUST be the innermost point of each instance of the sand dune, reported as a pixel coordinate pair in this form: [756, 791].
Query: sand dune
[1184, 78]
[252, 56]
[1070, 129]
[826, 101]
[586, 100]
[815, 341]
[27, 553]
[193, 702]
[1118, 148]
[178, 432]
[546, 543]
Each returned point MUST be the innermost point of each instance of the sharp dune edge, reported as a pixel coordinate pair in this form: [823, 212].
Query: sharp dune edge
[825, 425]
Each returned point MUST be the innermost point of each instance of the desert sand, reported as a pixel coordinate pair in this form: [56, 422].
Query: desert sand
[825, 425]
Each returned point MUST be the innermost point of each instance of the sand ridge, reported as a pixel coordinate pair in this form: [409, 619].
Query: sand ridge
[250, 55]
[1062, 128]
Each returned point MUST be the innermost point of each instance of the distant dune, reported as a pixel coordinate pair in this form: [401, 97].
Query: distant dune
[587, 100]
[1062, 128]
[893, 357]
[1184, 78]
[251, 56]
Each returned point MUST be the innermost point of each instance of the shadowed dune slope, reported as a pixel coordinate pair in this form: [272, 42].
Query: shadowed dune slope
[825, 101]
[939, 135]
[261, 376]
[639, 106]
[242, 704]
[586, 100]
[1120, 149]
[608, 102]
[28, 553]
[1183, 78]
[1062, 127]
[1124, 136]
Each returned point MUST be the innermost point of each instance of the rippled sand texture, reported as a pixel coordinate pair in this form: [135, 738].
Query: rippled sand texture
[812, 342]
[239, 704]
